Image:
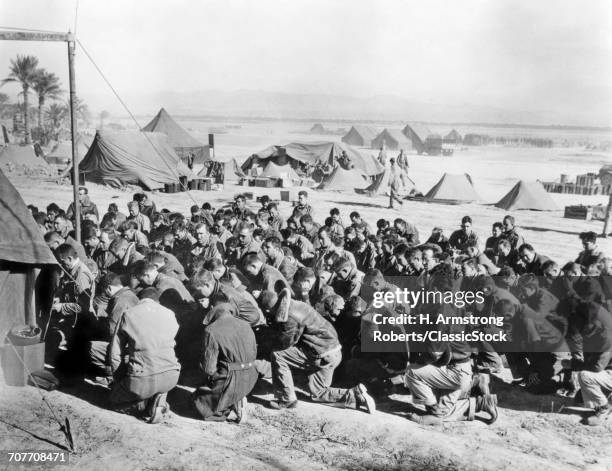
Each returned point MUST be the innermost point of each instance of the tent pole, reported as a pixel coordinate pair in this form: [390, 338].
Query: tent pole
[607, 218]
[73, 132]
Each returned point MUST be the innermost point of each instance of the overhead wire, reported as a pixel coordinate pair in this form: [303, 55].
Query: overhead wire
[28, 30]
[135, 120]
[123, 104]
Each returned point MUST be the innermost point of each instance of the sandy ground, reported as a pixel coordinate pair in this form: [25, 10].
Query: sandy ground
[533, 432]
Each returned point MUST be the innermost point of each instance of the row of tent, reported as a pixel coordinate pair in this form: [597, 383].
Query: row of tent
[414, 136]
[369, 177]
[152, 157]
[453, 188]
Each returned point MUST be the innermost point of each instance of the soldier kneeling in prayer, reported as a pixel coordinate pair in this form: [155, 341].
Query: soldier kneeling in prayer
[306, 341]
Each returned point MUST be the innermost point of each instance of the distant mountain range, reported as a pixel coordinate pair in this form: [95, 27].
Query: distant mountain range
[262, 104]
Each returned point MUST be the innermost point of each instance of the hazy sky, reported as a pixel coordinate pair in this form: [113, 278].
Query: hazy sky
[534, 55]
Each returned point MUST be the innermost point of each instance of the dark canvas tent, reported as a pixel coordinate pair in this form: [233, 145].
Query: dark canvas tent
[392, 139]
[453, 187]
[342, 179]
[22, 251]
[132, 157]
[310, 153]
[360, 136]
[4, 137]
[182, 142]
[418, 134]
[527, 195]
[14, 154]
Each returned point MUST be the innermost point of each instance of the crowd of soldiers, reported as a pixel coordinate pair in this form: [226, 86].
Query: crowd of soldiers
[241, 295]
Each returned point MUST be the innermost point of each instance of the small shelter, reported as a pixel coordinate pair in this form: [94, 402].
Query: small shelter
[273, 170]
[317, 129]
[23, 252]
[527, 195]
[380, 185]
[303, 154]
[360, 136]
[17, 155]
[391, 139]
[342, 179]
[453, 188]
[133, 157]
[453, 137]
[417, 133]
[182, 142]
[62, 152]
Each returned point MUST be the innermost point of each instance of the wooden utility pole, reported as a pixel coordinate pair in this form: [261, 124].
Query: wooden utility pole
[10, 35]
[607, 218]
[73, 132]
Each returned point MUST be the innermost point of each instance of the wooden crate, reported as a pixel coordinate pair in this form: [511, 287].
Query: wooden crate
[287, 195]
[205, 184]
[579, 212]
[266, 182]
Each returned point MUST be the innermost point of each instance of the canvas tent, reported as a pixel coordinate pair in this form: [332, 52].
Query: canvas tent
[279, 171]
[527, 195]
[182, 142]
[342, 179]
[22, 252]
[380, 185]
[310, 153]
[62, 152]
[222, 168]
[453, 188]
[391, 139]
[14, 154]
[132, 157]
[317, 129]
[360, 136]
[453, 137]
[418, 134]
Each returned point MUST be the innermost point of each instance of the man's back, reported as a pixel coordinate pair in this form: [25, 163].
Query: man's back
[149, 329]
[244, 304]
[234, 338]
[307, 328]
[166, 283]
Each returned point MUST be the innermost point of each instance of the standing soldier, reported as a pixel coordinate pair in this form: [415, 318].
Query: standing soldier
[395, 182]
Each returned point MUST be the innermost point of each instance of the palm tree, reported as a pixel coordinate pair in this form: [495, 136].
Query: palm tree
[56, 115]
[46, 85]
[23, 70]
[81, 111]
[4, 103]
